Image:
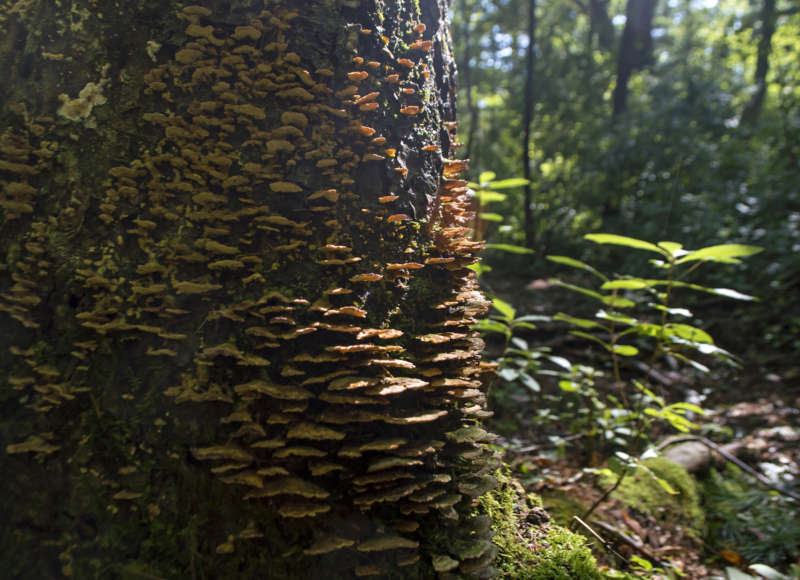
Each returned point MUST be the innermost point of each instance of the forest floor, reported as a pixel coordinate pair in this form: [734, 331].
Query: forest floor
[754, 410]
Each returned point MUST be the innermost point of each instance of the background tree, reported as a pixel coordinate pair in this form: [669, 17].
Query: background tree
[767, 21]
[234, 299]
[636, 47]
[527, 113]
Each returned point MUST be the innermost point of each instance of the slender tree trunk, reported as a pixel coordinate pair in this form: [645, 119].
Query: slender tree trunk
[600, 23]
[527, 115]
[234, 301]
[635, 51]
[768, 20]
[466, 73]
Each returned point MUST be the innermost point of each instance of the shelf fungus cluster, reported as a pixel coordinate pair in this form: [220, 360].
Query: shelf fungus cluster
[292, 240]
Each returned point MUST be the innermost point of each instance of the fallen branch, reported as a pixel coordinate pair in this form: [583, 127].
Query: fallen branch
[626, 539]
[733, 459]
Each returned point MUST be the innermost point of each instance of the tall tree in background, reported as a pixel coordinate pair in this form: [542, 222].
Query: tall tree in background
[527, 116]
[767, 21]
[636, 48]
[234, 301]
[465, 73]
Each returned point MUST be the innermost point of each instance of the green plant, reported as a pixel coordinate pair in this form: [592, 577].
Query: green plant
[624, 333]
[639, 321]
[750, 520]
[637, 325]
[518, 362]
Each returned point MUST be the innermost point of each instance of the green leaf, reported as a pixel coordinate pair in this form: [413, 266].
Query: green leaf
[480, 268]
[704, 348]
[569, 386]
[508, 183]
[617, 301]
[628, 284]
[530, 382]
[560, 361]
[486, 176]
[523, 324]
[624, 241]
[767, 572]
[567, 261]
[533, 318]
[688, 332]
[486, 196]
[625, 350]
[693, 363]
[591, 337]
[504, 308]
[580, 289]
[641, 562]
[487, 325]
[648, 392]
[490, 217]
[615, 317]
[726, 253]
[580, 322]
[615, 465]
[676, 311]
[687, 407]
[736, 574]
[728, 293]
[674, 248]
[665, 485]
[677, 421]
[648, 329]
[508, 375]
[509, 248]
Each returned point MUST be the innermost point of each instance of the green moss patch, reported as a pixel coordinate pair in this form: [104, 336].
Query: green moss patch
[643, 492]
[529, 546]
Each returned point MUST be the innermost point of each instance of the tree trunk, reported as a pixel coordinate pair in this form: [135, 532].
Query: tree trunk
[601, 25]
[768, 20]
[465, 69]
[635, 51]
[233, 294]
[527, 115]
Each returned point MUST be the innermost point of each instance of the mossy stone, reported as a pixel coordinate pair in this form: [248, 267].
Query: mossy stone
[642, 491]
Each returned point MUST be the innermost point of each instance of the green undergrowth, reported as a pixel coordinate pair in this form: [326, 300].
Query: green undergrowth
[530, 547]
[753, 522]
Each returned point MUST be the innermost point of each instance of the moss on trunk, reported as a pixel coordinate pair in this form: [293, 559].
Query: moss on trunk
[530, 547]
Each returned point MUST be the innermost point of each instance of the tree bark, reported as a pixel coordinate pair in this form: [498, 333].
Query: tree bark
[768, 20]
[527, 117]
[234, 300]
[636, 46]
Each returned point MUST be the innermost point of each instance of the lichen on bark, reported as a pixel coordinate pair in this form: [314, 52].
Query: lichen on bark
[235, 297]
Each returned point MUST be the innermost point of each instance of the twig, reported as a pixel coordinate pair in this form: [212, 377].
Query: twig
[625, 538]
[600, 539]
[733, 459]
[605, 495]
